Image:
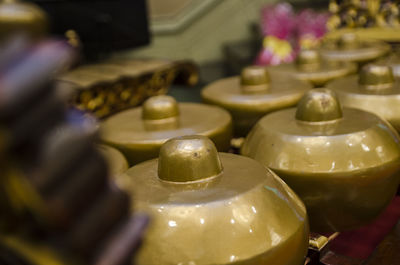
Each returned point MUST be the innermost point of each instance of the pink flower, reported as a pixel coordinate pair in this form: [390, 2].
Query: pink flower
[286, 33]
[278, 20]
[310, 22]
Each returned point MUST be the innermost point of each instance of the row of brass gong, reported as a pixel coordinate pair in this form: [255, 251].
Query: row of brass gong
[336, 151]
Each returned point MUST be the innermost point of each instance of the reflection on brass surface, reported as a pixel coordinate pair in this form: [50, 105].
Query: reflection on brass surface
[318, 242]
[343, 164]
[22, 17]
[215, 208]
[253, 95]
[139, 133]
[349, 48]
[309, 67]
[237, 143]
[115, 85]
[116, 161]
[319, 106]
[375, 90]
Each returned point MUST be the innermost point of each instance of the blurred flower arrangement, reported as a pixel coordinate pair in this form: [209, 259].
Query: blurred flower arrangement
[286, 32]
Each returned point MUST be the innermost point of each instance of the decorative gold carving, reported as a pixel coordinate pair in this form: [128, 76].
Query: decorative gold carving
[363, 13]
[112, 86]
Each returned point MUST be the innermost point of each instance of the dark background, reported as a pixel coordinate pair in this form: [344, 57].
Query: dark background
[102, 26]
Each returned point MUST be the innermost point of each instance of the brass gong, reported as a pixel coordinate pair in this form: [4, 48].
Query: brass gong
[116, 161]
[252, 95]
[349, 48]
[21, 17]
[215, 208]
[375, 89]
[343, 163]
[139, 132]
[311, 68]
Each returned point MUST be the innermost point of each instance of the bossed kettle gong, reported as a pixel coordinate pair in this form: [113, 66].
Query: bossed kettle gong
[253, 94]
[375, 89]
[140, 132]
[392, 60]
[215, 208]
[343, 163]
[311, 68]
[349, 48]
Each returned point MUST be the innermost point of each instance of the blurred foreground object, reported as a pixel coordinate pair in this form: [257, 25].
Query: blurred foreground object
[111, 86]
[57, 203]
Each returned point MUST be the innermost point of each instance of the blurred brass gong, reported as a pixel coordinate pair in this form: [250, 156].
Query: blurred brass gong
[343, 163]
[116, 160]
[349, 48]
[392, 60]
[139, 133]
[215, 208]
[375, 89]
[311, 68]
[21, 17]
[252, 95]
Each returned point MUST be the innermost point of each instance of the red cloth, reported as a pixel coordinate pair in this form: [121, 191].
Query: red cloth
[360, 243]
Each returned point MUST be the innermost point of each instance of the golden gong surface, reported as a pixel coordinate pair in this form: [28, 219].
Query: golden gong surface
[116, 161]
[215, 208]
[139, 133]
[22, 17]
[311, 68]
[392, 60]
[375, 89]
[348, 48]
[343, 163]
[252, 95]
